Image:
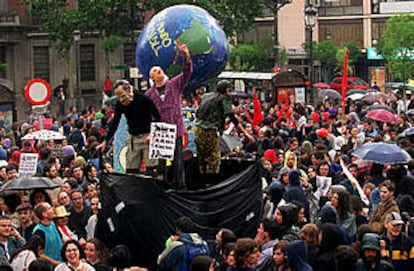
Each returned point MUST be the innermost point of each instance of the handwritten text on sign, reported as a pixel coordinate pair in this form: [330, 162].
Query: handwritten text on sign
[158, 37]
[162, 140]
[28, 164]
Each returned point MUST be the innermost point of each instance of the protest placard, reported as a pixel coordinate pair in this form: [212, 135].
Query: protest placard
[323, 184]
[162, 140]
[28, 164]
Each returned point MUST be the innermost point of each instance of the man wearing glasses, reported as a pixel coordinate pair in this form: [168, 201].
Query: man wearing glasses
[139, 111]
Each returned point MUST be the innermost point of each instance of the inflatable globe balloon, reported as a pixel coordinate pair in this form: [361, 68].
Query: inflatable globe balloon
[194, 27]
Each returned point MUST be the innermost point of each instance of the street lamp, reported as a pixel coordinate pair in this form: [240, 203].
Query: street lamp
[275, 6]
[310, 21]
[76, 39]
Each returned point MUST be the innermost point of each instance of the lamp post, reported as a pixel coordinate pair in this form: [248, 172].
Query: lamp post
[310, 21]
[76, 39]
[275, 6]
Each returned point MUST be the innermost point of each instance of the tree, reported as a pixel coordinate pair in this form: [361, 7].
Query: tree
[107, 18]
[252, 56]
[234, 16]
[325, 52]
[397, 45]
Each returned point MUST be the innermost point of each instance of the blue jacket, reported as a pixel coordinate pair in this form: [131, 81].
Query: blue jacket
[12, 246]
[172, 258]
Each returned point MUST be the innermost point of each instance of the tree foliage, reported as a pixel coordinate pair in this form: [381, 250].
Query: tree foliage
[234, 16]
[397, 45]
[325, 52]
[252, 56]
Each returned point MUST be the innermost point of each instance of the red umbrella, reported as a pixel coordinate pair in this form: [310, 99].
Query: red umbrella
[382, 115]
[321, 85]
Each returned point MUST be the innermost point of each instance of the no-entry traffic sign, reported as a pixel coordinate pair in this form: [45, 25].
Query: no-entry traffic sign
[37, 91]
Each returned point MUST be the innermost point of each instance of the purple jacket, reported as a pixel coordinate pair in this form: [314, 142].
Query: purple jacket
[170, 108]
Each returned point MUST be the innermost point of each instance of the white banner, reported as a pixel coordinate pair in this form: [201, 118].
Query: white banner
[28, 164]
[162, 140]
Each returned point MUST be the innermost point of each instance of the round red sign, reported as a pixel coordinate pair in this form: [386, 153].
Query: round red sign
[37, 91]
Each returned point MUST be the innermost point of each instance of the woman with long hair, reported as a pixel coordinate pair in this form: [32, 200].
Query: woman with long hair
[71, 255]
[96, 254]
[28, 253]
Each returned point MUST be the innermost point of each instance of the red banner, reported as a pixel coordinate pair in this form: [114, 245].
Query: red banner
[344, 78]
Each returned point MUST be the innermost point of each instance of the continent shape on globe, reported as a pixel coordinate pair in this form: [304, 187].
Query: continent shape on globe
[194, 27]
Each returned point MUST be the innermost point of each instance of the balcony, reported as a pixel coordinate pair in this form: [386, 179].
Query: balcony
[9, 19]
[339, 11]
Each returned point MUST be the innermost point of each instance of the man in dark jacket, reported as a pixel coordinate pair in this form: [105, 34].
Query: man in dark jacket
[371, 256]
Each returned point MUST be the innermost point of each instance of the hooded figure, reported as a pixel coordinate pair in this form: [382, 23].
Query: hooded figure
[327, 214]
[297, 255]
[371, 256]
[332, 237]
[289, 214]
[295, 191]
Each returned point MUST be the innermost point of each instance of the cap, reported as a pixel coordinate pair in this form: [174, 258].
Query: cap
[24, 206]
[394, 218]
[68, 151]
[60, 211]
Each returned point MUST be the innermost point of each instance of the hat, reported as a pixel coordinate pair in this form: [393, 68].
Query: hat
[7, 143]
[394, 218]
[270, 154]
[370, 241]
[328, 214]
[60, 211]
[68, 151]
[99, 115]
[24, 206]
[3, 154]
[323, 132]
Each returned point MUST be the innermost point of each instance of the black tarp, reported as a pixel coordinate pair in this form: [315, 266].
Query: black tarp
[138, 213]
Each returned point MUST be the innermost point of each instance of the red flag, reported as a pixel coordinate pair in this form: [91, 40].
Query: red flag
[257, 113]
[345, 77]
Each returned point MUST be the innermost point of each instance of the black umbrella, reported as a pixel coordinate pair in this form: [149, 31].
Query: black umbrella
[380, 106]
[330, 93]
[27, 183]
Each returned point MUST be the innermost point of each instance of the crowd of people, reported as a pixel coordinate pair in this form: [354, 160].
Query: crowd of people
[324, 208]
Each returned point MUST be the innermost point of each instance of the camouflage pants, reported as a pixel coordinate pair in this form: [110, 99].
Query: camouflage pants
[208, 151]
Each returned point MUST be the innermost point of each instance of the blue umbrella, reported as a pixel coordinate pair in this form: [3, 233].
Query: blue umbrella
[407, 132]
[382, 153]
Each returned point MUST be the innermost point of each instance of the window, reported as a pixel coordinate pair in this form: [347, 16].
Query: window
[87, 62]
[3, 62]
[41, 67]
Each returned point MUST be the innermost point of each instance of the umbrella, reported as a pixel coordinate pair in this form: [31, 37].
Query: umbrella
[356, 90]
[407, 132]
[45, 135]
[321, 85]
[380, 106]
[355, 96]
[375, 96]
[382, 153]
[382, 115]
[331, 93]
[410, 112]
[392, 85]
[26, 183]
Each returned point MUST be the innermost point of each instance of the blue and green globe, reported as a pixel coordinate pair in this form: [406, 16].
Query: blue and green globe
[194, 27]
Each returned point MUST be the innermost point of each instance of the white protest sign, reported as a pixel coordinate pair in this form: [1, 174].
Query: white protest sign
[323, 184]
[355, 183]
[162, 140]
[28, 164]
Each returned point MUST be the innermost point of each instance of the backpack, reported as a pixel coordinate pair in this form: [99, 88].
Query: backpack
[193, 250]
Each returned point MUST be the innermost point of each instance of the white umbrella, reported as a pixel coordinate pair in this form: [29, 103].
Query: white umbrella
[45, 135]
[355, 96]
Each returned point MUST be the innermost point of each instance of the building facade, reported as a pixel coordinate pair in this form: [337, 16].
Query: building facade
[26, 54]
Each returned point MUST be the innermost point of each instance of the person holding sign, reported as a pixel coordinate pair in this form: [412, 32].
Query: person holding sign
[167, 97]
[139, 111]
